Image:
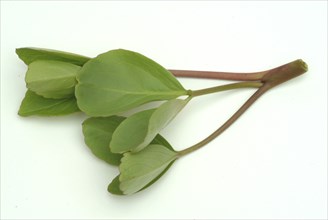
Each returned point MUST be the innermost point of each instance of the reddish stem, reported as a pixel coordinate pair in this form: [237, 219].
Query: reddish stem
[219, 75]
[293, 69]
[269, 79]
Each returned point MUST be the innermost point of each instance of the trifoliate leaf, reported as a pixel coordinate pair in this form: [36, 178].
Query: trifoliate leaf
[137, 131]
[98, 134]
[31, 54]
[34, 104]
[119, 80]
[52, 79]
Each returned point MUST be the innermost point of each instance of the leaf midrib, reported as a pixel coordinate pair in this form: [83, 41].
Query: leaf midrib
[50, 79]
[167, 79]
[49, 106]
[148, 92]
[100, 129]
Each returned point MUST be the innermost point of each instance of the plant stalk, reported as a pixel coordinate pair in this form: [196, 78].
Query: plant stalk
[227, 124]
[269, 80]
[221, 88]
[255, 76]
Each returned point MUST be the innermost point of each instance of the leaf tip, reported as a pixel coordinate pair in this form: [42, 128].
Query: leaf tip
[22, 114]
[114, 187]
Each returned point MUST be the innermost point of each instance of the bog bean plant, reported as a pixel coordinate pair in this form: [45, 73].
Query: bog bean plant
[106, 86]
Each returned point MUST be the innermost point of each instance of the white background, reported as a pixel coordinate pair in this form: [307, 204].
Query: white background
[270, 164]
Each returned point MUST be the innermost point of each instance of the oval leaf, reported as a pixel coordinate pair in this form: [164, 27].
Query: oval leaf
[119, 80]
[139, 169]
[137, 131]
[97, 135]
[31, 54]
[131, 132]
[34, 104]
[52, 79]
[114, 186]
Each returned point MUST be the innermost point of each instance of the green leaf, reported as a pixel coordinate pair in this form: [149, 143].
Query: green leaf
[34, 104]
[97, 135]
[52, 79]
[137, 170]
[137, 131]
[31, 54]
[119, 80]
[114, 186]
